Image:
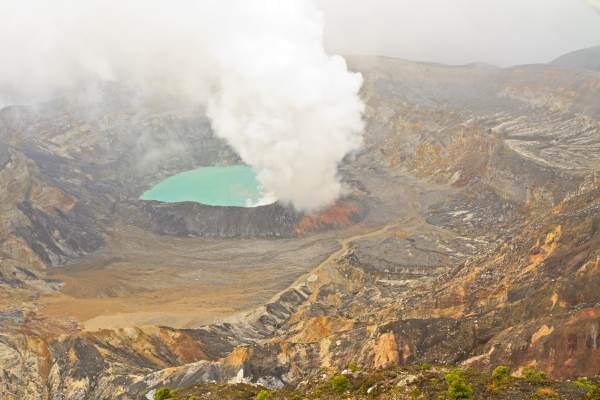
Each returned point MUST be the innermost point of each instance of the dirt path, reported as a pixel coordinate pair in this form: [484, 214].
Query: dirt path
[324, 273]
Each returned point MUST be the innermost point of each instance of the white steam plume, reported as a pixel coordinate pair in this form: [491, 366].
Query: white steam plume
[595, 4]
[258, 67]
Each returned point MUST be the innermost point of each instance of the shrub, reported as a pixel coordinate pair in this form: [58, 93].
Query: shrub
[339, 383]
[353, 367]
[458, 388]
[263, 395]
[584, 384]
[534, 376]
[163, 394]
[593, 389]
[593, 394]
[425, 367]
[500, 374]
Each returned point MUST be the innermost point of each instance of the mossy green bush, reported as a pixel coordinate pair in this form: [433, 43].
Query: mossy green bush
[591, 388]
[458, 387]
[339, 383]
[534, 376]
[163, 394]
[425, 367]
[584, 384]
[594, 393]
[262, 395]
[501, 374]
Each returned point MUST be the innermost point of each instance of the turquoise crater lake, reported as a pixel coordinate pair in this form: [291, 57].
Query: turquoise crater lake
[232, 186]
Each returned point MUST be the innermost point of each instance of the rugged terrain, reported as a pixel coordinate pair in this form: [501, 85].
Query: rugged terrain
[408, 382]
[468, 236]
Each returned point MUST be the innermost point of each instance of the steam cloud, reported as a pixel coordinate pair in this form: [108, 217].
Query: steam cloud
[257, 67]
[595, 4]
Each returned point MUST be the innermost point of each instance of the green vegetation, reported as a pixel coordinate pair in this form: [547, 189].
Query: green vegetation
[163, 394]
[339, 383]
[594, 394]
[592, 389]
[353, 367]
[584, 384]
[500, 379]
[500, 374]
[406, 382]
[425, 367]
[458, 387]
[415, 393]
[534, 376]
[320, 389]
[263, 395]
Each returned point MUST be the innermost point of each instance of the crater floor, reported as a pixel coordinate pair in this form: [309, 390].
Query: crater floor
[144, 279]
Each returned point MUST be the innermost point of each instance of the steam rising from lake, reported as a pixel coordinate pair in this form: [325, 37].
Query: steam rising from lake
[257, 68]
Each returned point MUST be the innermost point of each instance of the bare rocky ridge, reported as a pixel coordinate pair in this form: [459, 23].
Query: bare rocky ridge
[469, 237]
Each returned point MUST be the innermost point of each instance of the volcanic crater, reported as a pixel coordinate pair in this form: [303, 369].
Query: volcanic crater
[468, 236]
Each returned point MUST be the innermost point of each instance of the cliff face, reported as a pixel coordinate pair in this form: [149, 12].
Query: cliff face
[272, 221]
[468, 236]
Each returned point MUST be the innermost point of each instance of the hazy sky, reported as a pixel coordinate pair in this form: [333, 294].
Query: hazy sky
[501, 32]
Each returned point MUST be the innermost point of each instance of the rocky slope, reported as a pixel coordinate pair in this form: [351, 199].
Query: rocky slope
[469, 237]
[531, 303]
[409, 382]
